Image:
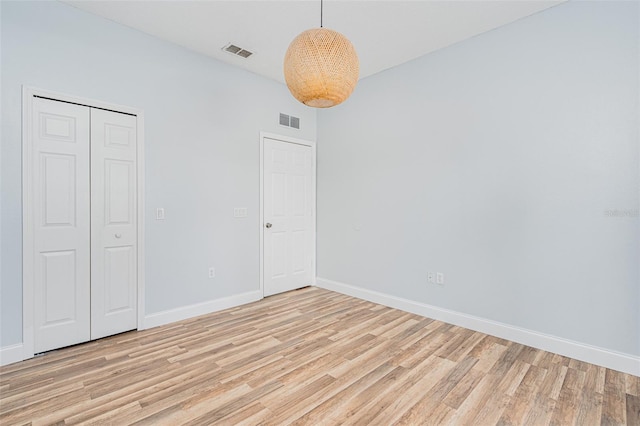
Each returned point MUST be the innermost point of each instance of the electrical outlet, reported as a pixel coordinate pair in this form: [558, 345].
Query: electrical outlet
[160, 213]
[431, 277]
[440, 278]
[212, 272]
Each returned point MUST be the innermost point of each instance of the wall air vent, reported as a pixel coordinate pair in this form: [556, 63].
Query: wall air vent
[237, 50]
[289, 121]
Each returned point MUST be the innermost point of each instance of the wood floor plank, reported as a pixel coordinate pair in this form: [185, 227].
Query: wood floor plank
[312, 357]
[501, 396]
[614, 406]
[432, 398]
[632, 384]
[488, 357]
[461, 391]
[633, 410]
[589, 411]
[287, 407]
[540, 411]
[567, 400]
[519, 406]
[553, 381]
[381, 409]
[437, 369]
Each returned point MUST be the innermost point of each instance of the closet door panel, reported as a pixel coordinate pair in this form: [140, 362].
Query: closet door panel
[61, 212]
[113, 227]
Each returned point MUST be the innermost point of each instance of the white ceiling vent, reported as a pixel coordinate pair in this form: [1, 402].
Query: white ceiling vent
[289, 121]
[237, 50]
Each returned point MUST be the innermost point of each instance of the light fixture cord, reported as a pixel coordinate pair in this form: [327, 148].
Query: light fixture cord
[320, 13]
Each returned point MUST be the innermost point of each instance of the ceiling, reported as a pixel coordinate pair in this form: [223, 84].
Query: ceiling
[384, 33]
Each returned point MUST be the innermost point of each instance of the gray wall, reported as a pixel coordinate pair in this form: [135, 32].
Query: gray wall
[202, 120]
[495, 161]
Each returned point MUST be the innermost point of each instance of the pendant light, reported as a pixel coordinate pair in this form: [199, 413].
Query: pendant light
[321, 67]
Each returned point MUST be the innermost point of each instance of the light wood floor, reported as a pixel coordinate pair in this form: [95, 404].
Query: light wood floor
[312, 357]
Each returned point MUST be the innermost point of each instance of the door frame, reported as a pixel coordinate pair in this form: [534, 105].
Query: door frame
[28, 299]
[312, 145]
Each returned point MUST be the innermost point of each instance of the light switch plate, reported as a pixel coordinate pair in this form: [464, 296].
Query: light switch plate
[240, 212]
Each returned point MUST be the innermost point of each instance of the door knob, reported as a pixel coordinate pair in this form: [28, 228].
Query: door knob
[268, 225]
[118, 235]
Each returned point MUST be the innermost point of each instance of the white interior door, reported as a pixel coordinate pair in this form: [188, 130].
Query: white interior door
[113, 223]
[60, 134]
[288, 216]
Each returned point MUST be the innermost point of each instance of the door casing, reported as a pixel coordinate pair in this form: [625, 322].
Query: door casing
[288, 139]
[28, 94]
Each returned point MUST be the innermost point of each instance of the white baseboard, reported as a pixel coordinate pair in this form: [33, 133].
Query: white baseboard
[11, 354]
[185, 312]
[606, 358]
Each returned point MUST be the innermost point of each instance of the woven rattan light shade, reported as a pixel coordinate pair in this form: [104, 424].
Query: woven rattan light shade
[321, 68]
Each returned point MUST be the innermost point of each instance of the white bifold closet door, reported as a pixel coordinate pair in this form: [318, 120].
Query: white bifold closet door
[62, 224]
[84, 192]
[113, 223]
